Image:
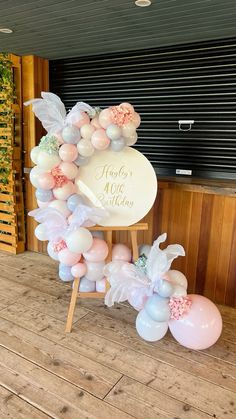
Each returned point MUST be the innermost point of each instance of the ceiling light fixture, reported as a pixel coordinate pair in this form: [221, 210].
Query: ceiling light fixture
[6, 30]
[143, 3]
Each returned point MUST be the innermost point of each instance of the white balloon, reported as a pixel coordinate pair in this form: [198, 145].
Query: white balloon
[179, 291]
[60, 206]
[71, 135]
[94, 270]
[41, 232]
[132, 139]
[34, 174]
[79, 241]
[114, 132]
[149, 329]
[48, 161]
[85, 148]
[128, 130]
[52, 254]
[87, 131]
[64, 192]
[177, 278]
[34, 154]
[101, 285]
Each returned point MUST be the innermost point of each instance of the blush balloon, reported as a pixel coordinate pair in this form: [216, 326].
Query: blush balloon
[79, 270]
[97, 252]
[70, 170]
[105, 118]
[201, 327]
[68, 258]
[64, 192]
[177, 278]
[95, 123]
[83, 120]
[94, 270]
[87, 131]
[121, 252]
[68, 152]
[46, 181]
[136, 119]
[100, 140]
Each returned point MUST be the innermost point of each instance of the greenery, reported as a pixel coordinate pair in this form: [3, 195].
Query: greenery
[6, 115]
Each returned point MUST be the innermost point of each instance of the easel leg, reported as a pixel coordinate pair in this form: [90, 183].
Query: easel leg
[72, 305]
[108, 237]
[134, 241]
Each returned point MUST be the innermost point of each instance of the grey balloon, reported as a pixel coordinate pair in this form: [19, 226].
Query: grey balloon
[165, 288]
[157, 308]
[118, 145]
[81, 161]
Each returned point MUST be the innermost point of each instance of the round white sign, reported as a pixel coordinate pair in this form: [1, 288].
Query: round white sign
[123, 182]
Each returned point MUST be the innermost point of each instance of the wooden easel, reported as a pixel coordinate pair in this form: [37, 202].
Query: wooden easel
[133, 230]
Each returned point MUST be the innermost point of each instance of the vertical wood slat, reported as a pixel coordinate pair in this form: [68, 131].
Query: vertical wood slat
[204, 222]
[35, 78]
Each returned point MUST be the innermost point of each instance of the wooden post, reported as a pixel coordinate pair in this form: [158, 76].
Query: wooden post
[133, 230]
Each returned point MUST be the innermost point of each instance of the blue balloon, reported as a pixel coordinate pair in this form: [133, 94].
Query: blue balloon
[74, 200]
[65, 273]
[164, 288]
[157, 308]
[86, 285]
[44, 195]
[71, 135]
[81, 161]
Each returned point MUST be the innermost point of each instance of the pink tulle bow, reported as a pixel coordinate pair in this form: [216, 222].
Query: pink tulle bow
[120, 115]
[179, 306]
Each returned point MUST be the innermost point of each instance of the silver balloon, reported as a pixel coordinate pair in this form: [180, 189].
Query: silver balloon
[118, 145]
[157, 308]
[164, 288]
[86, 285]
[148, 329]
[81, 161]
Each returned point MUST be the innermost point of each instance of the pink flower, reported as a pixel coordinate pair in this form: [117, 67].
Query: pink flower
[121, 115]
[179, 306]
[57, 247]
[59, 177]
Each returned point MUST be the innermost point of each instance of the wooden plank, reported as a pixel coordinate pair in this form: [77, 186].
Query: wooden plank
[69, 365]
[8, 228]
[49, 393]
[6, 197]
[13, 407]
[8, 238]
[143, 402]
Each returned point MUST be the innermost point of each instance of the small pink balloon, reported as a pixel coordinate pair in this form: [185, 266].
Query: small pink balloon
[176, 277]
[121, 252]
[201, 327]
[97, 252]
[95, 123]
[136, 119]
[46, 181]
[84, 120]
[64, 192]
[79, 270]
[43, 204]
[68, 152]
[128, 106]
[100, 140]
[68, 258]
[105, 118]
[70, 170]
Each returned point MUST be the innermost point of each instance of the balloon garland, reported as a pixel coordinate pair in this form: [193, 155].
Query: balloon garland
[64, 212]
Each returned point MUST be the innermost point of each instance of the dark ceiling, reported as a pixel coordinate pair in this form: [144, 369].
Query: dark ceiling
[67, 28]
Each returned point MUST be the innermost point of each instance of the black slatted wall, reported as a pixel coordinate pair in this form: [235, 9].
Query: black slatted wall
[195, 81]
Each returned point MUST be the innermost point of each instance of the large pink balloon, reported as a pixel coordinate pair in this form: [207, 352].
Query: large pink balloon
[200, 327]
[98, 252]
[121, 252]
[68, 152]
[100, 139]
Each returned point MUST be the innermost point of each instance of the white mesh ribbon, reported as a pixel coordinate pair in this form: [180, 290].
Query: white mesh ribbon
[51, 111]
[126, 278]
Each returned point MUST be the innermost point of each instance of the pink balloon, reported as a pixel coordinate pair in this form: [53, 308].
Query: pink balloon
[46, 181]
[98, 252]
[68, 258]
[70, 170]
[105, 118]
[121, 252]
[84, 120]
[101, 285]
[100, 140]
[95, 123]
[43, 204]
[79, 270]
[64, 192]
[200, 327]
[136, 119]
[68, 152]
[128, 106]
[176, 278]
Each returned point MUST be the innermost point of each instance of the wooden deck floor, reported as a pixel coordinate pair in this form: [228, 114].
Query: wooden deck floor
[102, 369]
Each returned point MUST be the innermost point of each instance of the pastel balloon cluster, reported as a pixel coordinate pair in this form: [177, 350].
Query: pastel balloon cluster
[194, 321]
